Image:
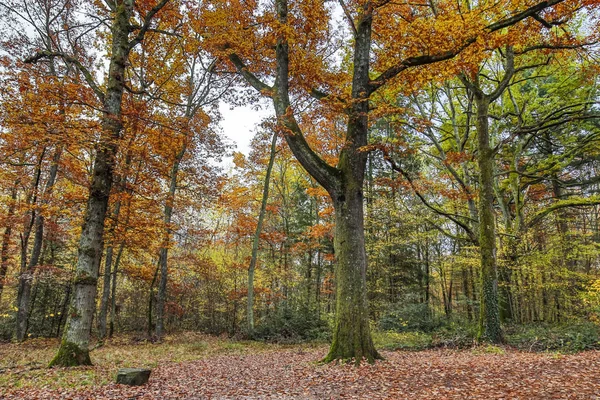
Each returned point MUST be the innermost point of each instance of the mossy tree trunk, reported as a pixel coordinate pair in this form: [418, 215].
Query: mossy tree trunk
[489, 319]
[489, 311]
[74, 349]
[351, 334]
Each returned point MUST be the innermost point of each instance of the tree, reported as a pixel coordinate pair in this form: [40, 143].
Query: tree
[74, 348]
[255, 240]
[297, 32]
[201, 89]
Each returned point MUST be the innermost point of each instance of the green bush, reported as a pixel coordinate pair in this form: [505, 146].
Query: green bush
[292, 326]
[572, 337]
[409, 317]
[456, 334]
[390, 340]
[7, 326]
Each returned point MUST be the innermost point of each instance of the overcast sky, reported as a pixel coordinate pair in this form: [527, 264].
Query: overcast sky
[239, 124]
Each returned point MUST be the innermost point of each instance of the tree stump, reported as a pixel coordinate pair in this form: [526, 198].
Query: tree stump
[133, 376]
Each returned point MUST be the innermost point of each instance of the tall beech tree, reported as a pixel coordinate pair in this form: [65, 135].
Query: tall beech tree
[125, 34]
[287, 44]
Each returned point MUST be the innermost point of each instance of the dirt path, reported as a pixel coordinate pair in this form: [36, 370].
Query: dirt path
[293, 374]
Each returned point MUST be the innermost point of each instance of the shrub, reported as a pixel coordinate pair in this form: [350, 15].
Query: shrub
[456, 334]
[572, 337]
[390, 340]
[292, 326]
[408, 318]
[7, 326]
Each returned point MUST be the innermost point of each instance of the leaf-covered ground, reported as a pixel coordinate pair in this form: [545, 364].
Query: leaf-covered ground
[218, 369]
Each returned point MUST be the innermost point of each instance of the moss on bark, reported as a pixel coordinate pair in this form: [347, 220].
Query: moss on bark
[352, 344]
[489, 319]
[70, 355]
[351, 335]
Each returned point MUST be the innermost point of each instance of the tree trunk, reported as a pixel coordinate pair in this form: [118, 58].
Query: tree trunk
[151, 300]
[489, 320]
[104, 301]
[164, 250]
[27, 278]
[74, 348]
[351, 335]
[261, 217]
[113, 290]
[6, 237]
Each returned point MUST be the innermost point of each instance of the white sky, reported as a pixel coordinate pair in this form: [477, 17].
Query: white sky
[239, 124]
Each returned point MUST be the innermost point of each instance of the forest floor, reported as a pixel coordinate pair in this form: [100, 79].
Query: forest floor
[192, 366]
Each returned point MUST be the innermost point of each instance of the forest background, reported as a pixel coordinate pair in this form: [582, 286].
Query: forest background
[479, 178]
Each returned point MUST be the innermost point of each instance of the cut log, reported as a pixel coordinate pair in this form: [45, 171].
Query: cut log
[133, 376]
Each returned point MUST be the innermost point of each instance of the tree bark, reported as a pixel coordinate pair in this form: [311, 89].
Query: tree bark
[27, 277]
[261, 217]
[74, 348]
[7, 236]
[489, 319]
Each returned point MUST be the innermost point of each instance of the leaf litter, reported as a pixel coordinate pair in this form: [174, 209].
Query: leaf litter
[295, 374]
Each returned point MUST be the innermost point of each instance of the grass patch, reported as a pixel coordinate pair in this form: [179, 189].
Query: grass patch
[24, 365]
[389, 340]
[489, 349]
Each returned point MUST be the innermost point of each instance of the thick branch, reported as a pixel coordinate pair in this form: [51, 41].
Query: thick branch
[530, 12]
[325, 174]
[415, 62]
[146, 25]
[249, 76]
[545, 46]
[430, 59]
[569, 203]
[71, 60]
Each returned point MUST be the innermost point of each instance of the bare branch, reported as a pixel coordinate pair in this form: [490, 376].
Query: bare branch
[348, 17]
